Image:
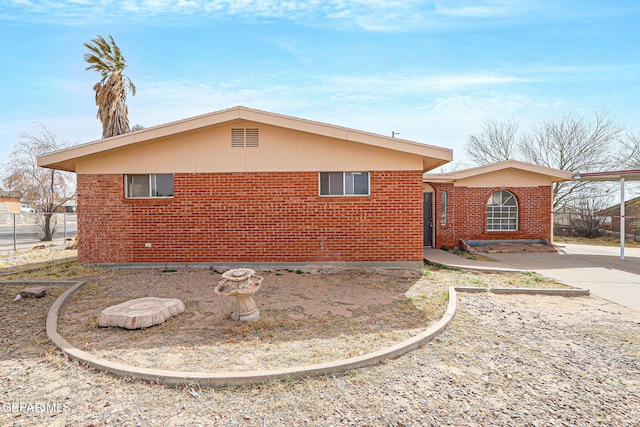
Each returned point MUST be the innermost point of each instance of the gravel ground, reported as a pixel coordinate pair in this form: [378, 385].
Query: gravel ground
[505, 360]
[12, 261]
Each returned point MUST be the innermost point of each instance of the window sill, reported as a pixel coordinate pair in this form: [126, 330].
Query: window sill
[345, 195]
[148, 200]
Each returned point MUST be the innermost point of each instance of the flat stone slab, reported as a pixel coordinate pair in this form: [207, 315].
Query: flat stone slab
[140, 312]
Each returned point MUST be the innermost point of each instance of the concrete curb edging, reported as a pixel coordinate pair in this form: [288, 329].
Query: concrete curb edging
[174, 378]
[40, 282]
[576, 292]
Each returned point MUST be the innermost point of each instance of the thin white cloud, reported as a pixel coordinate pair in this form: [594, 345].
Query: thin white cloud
[379, 103]
[566, 69]
[440, 96]
[470, 11]
[166, 101]
[404, 84]
[482, 8]
[378, 15]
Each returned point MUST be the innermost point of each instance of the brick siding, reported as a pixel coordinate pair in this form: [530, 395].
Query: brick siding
[467, 214]
[251, 217]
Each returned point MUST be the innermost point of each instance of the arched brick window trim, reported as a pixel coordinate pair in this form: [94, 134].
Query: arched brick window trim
[502, 211]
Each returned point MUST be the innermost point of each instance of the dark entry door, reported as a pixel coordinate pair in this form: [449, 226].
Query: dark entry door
[427, 209]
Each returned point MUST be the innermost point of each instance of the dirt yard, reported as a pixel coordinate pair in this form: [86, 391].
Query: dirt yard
[355, 310]
[504, 360]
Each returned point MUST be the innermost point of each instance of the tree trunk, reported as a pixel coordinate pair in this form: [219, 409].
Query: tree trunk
[47, 228]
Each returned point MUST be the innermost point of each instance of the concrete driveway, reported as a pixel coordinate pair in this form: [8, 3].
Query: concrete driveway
[597, 268]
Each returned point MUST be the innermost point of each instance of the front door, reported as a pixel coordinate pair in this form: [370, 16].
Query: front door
[427, 209]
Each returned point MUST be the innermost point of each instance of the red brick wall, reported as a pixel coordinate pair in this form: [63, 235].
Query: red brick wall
[467, 214]
[251, 217]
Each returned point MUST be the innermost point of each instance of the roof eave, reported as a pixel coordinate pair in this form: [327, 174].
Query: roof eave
[555, 175]
[630, 175]
[65, 159]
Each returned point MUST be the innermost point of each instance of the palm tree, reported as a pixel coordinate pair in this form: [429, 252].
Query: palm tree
[111, 92]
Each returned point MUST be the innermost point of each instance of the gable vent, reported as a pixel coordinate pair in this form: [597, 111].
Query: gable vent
[237, 137]
[251, 138]
[241, 137]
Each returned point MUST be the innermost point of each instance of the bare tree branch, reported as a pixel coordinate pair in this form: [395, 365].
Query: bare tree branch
[495, 143]
[45, 189]
[573, 144]
[629, 157]
[586, 202]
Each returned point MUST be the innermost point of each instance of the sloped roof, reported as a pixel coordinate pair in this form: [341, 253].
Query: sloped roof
[9, 194]
[553, 174]
[631, 208]
[65, 159]
[629, 175]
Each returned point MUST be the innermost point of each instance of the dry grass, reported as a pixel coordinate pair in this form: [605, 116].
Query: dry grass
[64, 270]
[504, 361]
[445, 277]
[32, 259]
[597, 241]
[22, 324]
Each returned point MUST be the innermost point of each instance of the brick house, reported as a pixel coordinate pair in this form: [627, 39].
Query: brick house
[9, 202]
[247, 187]
[242, 186]
[509, 200]
[632, 216]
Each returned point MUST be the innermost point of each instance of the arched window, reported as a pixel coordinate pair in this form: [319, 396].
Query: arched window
[502, 212]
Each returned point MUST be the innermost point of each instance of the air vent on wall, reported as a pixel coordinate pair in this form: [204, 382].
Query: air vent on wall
[251, 138]
[245, 137]
[237, 137]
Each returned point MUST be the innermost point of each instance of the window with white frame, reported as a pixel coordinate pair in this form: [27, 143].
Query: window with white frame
[502, 212]
[443, 209]
[149, 185]
[344, 183]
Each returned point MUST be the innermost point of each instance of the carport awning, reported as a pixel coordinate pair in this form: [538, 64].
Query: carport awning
[629, 175]
[622, 176]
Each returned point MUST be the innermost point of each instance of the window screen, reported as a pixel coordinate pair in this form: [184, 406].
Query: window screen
[149, 185]
[344, 183]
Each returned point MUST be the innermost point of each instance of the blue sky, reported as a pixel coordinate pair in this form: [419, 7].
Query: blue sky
[431, 70]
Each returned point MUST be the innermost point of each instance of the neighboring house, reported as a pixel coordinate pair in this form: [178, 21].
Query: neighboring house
[69, 207]
[631, 215]
[569, 220]
[248, 187]
[243, 186]
[509, 200]
[9, 202]
[566, 216]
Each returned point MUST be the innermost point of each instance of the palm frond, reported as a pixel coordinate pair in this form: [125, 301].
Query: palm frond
[105, 57]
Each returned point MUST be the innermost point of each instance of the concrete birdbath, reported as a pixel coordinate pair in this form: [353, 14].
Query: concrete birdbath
[241, 283]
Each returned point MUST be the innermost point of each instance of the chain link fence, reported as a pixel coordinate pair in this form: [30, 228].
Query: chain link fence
[25, 230]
